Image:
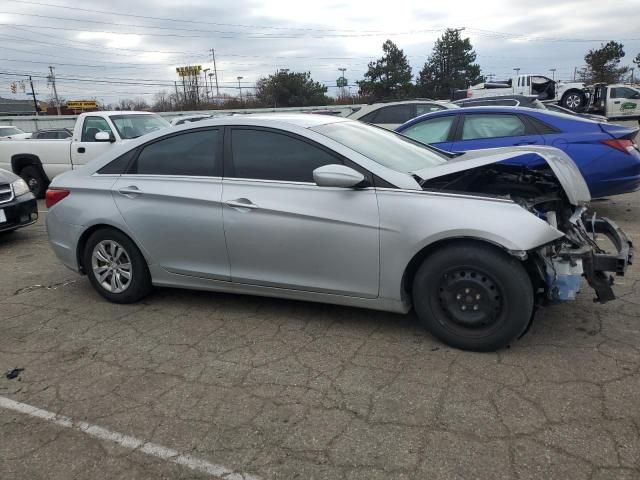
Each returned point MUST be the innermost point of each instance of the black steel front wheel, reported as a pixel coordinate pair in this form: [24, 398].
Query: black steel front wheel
[473, 296]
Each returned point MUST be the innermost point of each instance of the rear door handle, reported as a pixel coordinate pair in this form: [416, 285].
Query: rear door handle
[241, 203]
[526, 143]
[130, 190]
[80, 149]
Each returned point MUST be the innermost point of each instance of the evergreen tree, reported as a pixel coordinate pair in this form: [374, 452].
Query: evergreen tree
[450, 66]
[389, 76]
[290, 89]
[602, 64]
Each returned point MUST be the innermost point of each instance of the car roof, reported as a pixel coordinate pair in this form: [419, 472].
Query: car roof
[304, 120]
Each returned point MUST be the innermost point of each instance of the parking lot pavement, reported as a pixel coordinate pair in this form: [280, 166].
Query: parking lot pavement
[194, 385]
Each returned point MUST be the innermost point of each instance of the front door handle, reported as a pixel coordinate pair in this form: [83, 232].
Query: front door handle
[80, 149]
[241, 203]
[617, 102]
[130, 190]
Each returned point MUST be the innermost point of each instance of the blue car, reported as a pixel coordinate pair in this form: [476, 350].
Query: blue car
[605, 153]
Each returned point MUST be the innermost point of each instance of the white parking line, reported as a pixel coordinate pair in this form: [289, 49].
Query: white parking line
[127, 441]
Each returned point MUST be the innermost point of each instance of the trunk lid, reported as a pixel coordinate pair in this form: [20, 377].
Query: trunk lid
[619, 131]
[560, 163]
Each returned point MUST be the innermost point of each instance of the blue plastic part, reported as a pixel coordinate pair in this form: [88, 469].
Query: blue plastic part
[563, 287]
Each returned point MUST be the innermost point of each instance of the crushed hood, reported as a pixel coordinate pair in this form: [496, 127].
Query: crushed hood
[560, 163]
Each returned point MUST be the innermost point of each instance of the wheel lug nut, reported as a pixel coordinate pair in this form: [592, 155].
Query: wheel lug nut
[478, 297]
[458, 297]
[466, 290]
[464, 307]
[475, 307]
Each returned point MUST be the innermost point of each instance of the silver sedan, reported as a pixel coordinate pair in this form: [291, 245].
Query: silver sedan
[324, 209]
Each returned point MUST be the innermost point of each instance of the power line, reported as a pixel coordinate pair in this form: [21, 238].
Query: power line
[203, 22]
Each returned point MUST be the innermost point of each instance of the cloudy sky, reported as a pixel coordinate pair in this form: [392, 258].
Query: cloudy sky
[130, 48]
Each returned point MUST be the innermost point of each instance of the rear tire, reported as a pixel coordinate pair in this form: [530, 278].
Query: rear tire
[36, 181]
[115, 267]
[473, 296]
[573, 100]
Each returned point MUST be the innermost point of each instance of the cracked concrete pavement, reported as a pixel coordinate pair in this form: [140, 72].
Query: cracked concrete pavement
[283, 389]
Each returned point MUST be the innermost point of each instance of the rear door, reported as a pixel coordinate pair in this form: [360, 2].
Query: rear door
[170, 199]
[85, 148]
[437, 131]
[477, 131]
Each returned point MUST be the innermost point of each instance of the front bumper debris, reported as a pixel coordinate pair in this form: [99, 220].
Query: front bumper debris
[599, 267]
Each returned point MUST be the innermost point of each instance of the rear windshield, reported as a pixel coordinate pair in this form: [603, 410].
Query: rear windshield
[134, 126]
[387, 148]
[6, 131]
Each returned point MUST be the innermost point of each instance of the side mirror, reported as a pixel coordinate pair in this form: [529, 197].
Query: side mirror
[337, 176]
[104, 137]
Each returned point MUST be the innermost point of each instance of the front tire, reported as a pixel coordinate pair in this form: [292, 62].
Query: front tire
[36, 181]
[115, 267]
[473, 296]
[573, 100]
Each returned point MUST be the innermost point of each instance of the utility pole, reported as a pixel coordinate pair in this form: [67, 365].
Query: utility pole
[240, 88]
[175, 84]
[575, 72]
[206, 85]
[553, 73]
[52, 79]
[33, 94]
[215, 71]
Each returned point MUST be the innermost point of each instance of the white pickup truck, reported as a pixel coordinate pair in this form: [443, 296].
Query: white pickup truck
[572, 95]
[615, 101]
[39, 161]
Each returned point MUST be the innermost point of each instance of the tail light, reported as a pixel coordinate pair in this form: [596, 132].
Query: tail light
[621, 144]
[54, 195]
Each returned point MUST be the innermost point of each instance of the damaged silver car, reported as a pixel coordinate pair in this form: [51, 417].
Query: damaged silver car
[324, 209]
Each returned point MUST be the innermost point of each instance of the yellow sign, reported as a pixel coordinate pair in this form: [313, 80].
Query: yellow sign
[82, 105]
[189, 70]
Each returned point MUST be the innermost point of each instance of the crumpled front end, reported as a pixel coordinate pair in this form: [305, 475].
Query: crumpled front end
[563, 263]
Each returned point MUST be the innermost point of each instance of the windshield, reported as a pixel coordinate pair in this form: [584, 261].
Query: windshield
[387, 148]
[6, 131]
[134, 126]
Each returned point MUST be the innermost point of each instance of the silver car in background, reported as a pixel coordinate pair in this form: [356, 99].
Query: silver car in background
[320, 208]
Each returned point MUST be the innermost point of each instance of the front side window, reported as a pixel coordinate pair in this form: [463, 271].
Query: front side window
[491, 126]
[187, 154]
[93, 125]
[624, 92]
[434, 130]
[394, 114]
[134, 126]
[265, 155]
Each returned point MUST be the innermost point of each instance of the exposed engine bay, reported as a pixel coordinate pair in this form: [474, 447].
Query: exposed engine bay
[557, 267]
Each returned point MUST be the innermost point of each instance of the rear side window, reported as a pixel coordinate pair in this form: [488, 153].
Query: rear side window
[623, 92]
[434, 130]
[491, 126]
[428, 108]
[541, 127]
[394, 114]
[266, 155]
[187, 154]
[119, 165]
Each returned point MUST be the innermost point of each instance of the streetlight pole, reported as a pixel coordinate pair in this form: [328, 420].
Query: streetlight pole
[240, 88]
[553, 74]
[342, 69]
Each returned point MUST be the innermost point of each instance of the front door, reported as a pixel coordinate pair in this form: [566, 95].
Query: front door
[283, 230]
[85, 148]
[623, 102]
[170, 200]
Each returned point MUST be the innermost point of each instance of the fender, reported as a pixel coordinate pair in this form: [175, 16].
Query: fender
[21, 160]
